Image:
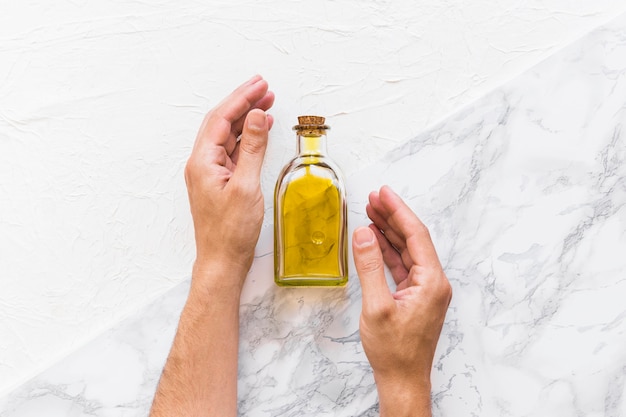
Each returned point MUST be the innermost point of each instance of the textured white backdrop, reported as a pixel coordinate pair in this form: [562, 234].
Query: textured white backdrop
[100, 102]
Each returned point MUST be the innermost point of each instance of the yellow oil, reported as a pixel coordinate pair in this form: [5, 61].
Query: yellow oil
[311, 248]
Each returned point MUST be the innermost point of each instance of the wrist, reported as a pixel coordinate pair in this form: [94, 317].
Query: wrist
[399, 397]
[218, 276]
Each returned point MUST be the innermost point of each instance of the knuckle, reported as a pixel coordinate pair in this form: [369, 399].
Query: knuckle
[210, 116]
[190, 168]
[434, 280]
[423, 230]
[244, 189]
[447, 290]
[415, 272]
[384, 312]
[370, 264]
[252, 144]
[379, 312]
[196, 165]
[444, 289]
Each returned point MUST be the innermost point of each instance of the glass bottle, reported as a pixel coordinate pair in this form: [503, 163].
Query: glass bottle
[310, 214]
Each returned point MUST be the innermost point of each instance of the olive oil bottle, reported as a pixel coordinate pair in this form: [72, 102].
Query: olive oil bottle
[310, 214]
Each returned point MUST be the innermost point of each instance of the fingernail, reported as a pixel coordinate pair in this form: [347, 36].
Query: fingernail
[363, 236]
[256, 120]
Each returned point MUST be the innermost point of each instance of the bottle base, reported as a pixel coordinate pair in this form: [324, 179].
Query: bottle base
[316, 281]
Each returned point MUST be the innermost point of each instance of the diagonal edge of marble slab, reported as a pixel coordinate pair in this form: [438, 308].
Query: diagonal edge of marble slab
[524, 192]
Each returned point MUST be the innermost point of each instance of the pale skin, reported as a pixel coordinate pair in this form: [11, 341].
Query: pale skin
[399, 329]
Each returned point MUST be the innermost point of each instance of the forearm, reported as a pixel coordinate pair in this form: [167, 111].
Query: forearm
[404, 399]
[200, 375]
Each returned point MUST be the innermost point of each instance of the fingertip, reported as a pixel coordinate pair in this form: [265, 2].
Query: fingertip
[253, 80]
[373, 197]
[268, 100]
[256, 86]
[363, 237]
[260, 87]
[270, 121]
[376, 231]
[388, 191]
[376, 216]
[257, 120]
[390, 200]
[380, 237]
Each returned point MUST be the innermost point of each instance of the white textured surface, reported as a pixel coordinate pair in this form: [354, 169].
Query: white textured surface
[525, 193]
[99, 105]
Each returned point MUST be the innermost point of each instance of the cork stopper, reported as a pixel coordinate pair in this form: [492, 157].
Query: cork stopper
[311, 120]
[311, 125]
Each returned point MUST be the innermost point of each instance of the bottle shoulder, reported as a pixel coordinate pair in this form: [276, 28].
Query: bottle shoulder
[318, 163]
[321, 167]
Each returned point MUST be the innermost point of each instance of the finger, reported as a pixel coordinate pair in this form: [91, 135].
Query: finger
[242, 99]
[392, 258]
[234, 156]
[232, 144]
[382, 218]
[377, 213]
[368, 260]
[397, 241]
[383, 226]
[373, 214]
[217, 126]
[265, 103]
[406, 224]
[252, 146]
[238, 90]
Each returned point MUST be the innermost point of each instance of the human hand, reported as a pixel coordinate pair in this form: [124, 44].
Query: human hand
[222, 175]
[399, 330]
[223, 182]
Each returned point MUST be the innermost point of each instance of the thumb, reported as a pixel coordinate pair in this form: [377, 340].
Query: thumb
[368, 260]
[253, 144]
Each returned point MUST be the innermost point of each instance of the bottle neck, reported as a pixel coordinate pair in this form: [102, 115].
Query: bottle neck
[311, 145]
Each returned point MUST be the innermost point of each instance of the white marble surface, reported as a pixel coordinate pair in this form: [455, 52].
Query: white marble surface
[100, 102]
[525, 195]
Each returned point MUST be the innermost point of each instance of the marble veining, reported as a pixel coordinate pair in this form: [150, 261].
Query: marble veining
[524, 192]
